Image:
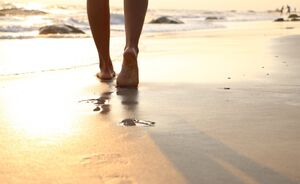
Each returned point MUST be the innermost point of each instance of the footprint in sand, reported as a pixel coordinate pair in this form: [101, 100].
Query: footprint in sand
[99, 163]
[117, 179]
[103, 159]
[103, 106]
[101, 103]
[135, 122]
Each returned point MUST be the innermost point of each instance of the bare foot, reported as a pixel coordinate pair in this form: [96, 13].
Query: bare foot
[129, 75]
[107, 75]
[106, 71]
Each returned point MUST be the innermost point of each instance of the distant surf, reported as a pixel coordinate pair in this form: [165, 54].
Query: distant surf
[20, 21]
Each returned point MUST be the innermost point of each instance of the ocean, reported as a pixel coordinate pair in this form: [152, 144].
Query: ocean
[18, 25]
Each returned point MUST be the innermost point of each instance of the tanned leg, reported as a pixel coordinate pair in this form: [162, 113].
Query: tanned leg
[135, 12]
[99, 19]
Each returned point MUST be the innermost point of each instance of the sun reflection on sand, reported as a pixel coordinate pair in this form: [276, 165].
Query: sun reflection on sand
[33, 112]
[38, 122]
[213, 60]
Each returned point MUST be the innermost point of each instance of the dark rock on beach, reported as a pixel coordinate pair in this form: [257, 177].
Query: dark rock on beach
[166, 20]
[214, 18]
[279, 20]
[294, 16]
[60, 29]
[295, 19]
[20, 12]
[2, 14]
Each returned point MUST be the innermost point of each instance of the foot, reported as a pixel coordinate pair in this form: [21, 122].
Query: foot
[129, 75]
[106, 71]
[106, 75]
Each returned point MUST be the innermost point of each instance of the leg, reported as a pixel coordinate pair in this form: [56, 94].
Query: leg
[99, 19]
[135, 12]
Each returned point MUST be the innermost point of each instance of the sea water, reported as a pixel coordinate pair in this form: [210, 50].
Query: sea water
[20, 26]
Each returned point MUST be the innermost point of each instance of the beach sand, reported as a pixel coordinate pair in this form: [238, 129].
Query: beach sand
[225, 104]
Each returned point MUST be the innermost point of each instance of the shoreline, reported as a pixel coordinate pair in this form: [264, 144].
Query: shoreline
[267, 30]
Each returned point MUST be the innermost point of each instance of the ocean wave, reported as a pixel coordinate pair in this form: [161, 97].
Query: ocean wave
[21, 12]
[7, 5]
[181, 27]
[82, 21]
[31, 36]
[17, 28]
[77, 21]
[10, 37]
[77, 17]
[116, 18]
[28, 72]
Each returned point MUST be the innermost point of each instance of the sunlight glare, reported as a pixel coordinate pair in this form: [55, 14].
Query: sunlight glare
[37, 115]
[33, 6]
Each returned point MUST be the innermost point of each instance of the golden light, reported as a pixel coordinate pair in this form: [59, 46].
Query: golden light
[34, 6]
[33, 114]
[39, 107]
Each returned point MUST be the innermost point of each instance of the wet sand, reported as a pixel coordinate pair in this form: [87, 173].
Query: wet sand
[225, 105]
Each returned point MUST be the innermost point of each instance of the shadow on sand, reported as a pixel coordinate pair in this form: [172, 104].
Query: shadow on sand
[196, 155]
[203, 159]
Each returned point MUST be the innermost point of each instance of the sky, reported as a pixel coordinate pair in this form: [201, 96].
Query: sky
[194, 4]
[223, 4]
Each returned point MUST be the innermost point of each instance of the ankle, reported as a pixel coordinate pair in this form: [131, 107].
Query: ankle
[105, 63]
[133, 49]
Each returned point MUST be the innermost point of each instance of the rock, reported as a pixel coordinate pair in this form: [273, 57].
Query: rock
[214, 18]
[2, 14]
[211, 18]
[60, 29]
[166, 20]
[21, 11]
[279, 20]
[293, 16]
[294, 20]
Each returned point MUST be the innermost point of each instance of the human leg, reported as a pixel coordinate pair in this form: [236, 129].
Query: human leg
[99, 19]
[135, 12]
